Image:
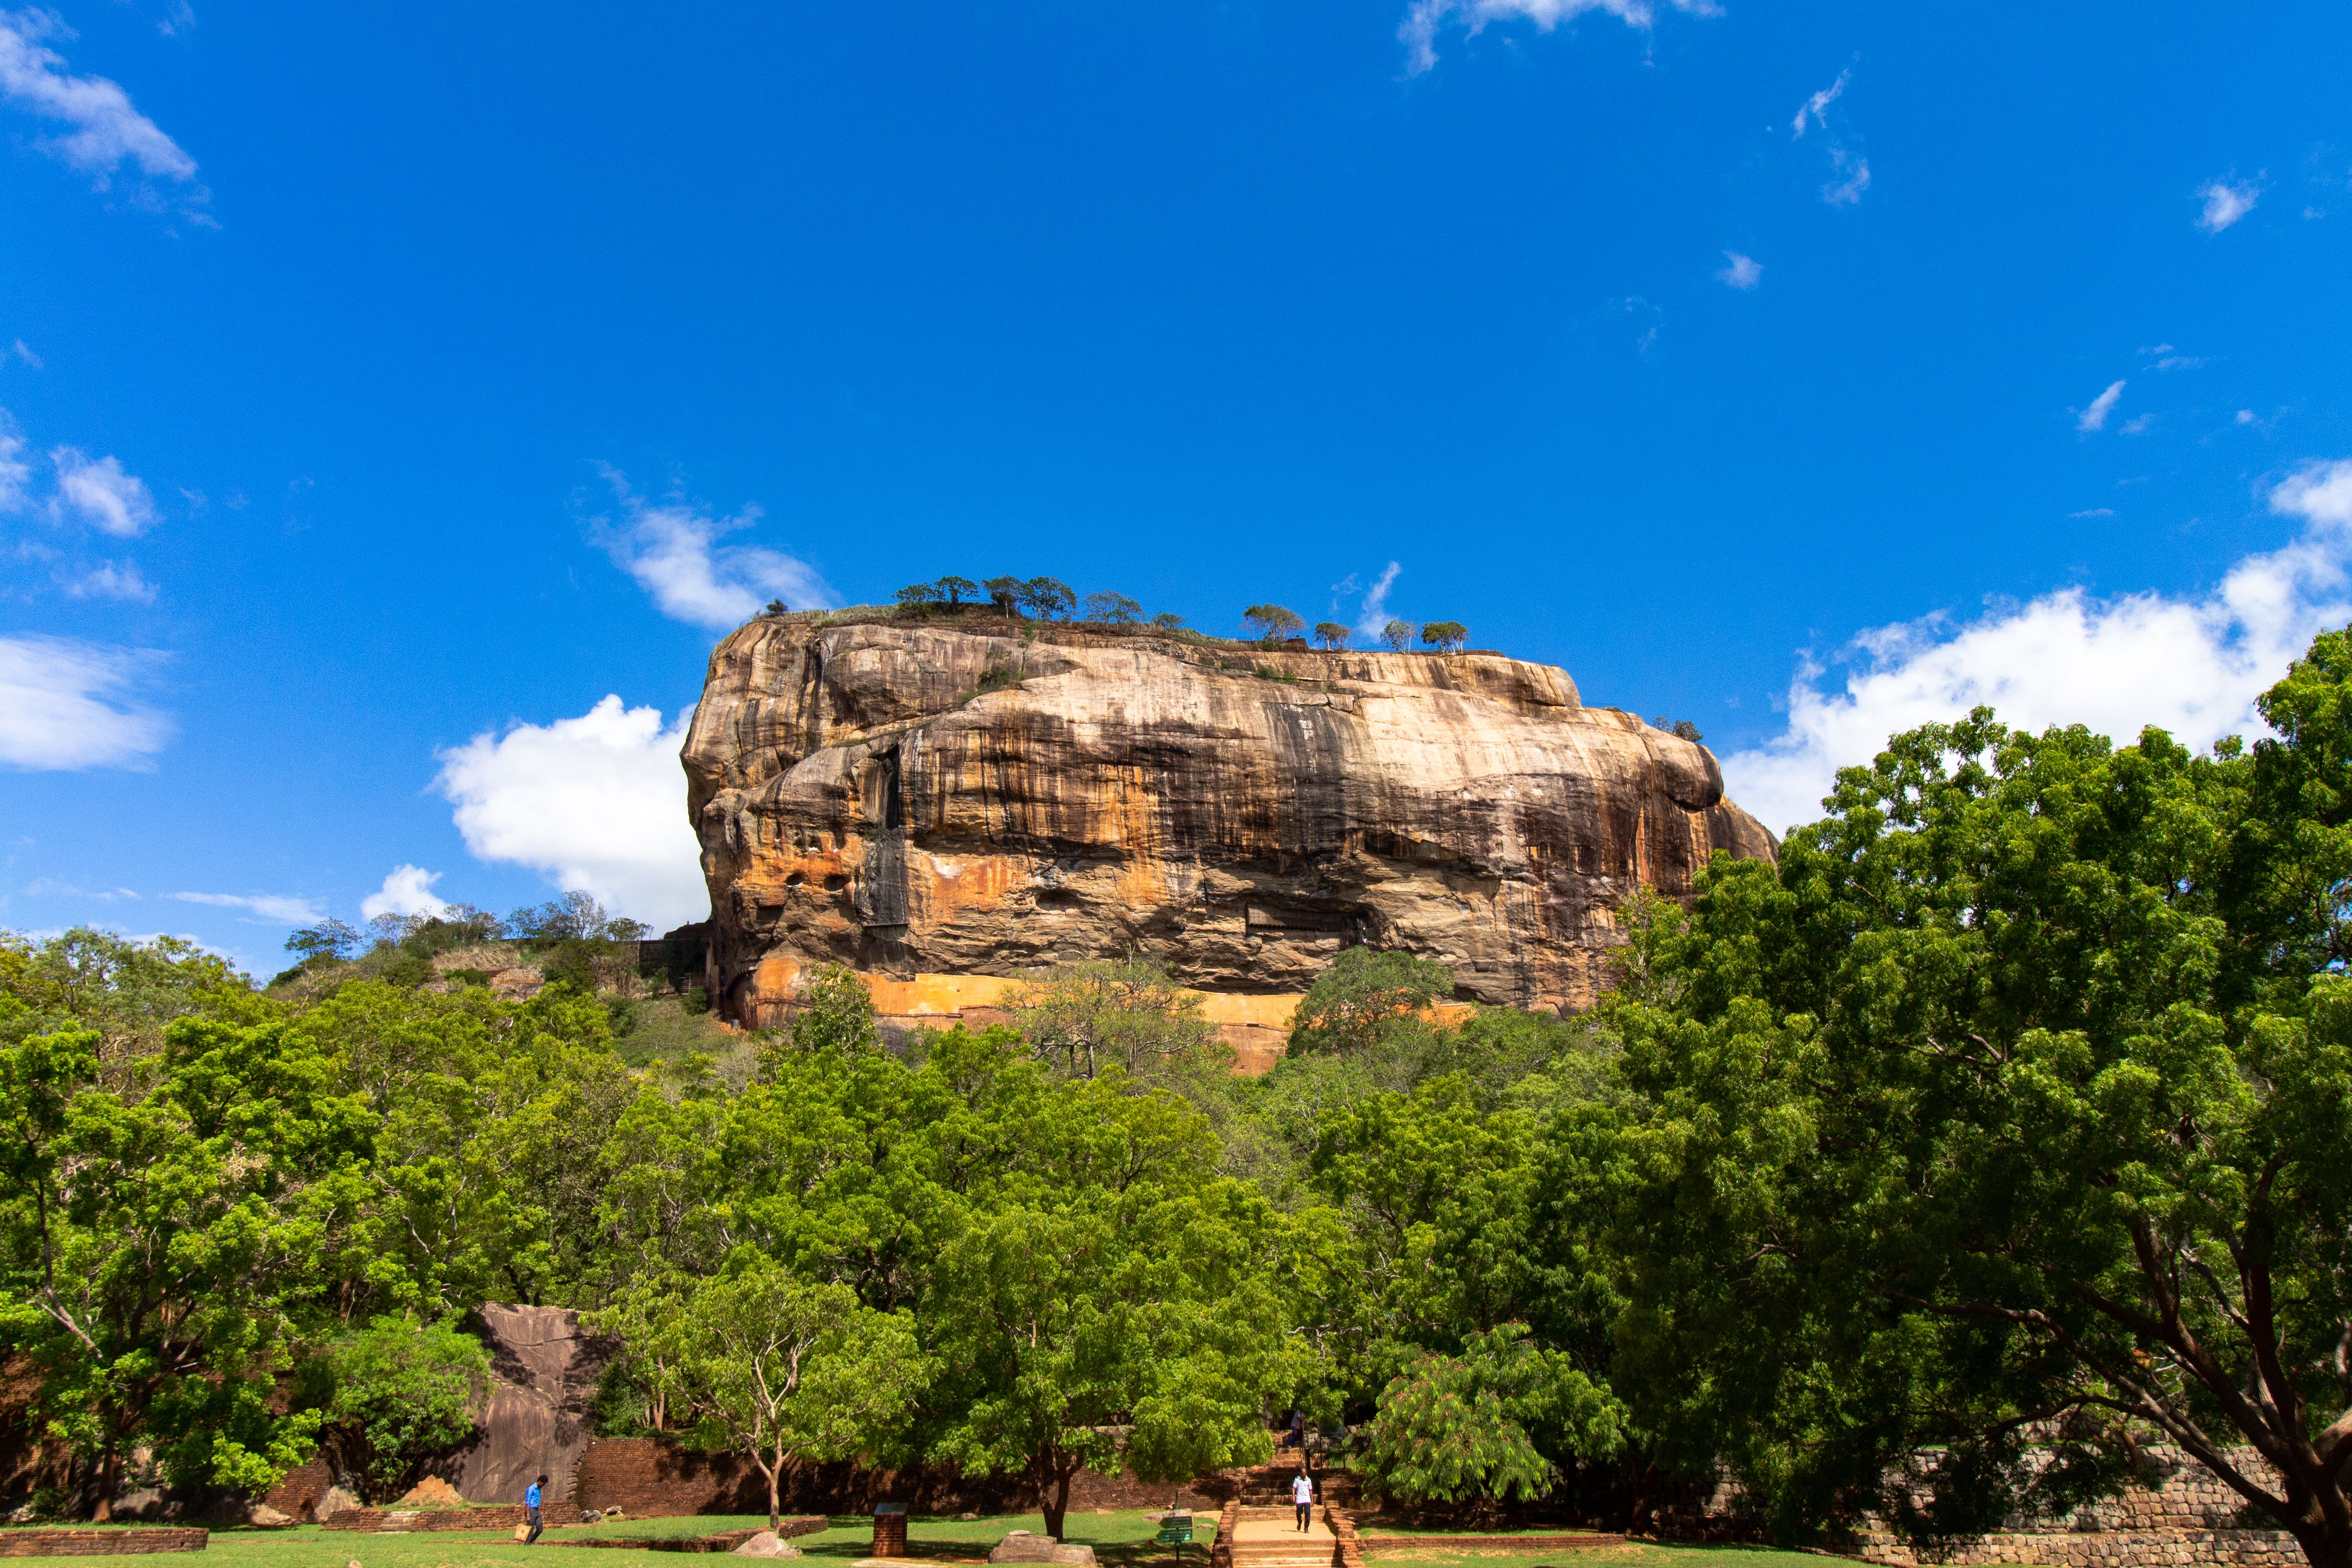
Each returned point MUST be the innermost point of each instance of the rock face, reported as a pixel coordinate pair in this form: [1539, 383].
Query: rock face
[544, 1368]
[978, 798]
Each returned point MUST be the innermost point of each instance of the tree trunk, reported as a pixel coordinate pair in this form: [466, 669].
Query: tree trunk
[2324, 1546]
[775, 1509]
[110, 1481]
[1054, 1503]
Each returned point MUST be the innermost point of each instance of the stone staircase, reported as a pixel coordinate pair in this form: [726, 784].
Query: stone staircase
[1269, 1485]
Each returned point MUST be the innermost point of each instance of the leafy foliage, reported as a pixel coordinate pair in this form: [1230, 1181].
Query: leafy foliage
[1464, 1428]
[401, 1392]
[1272, 623]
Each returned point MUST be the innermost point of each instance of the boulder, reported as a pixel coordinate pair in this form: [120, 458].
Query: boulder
[335, 1499]
[431, 1493]
[1072, 1553]
[1022, 1546]
[261, 1516]
[767, 1543]
[544, 1368]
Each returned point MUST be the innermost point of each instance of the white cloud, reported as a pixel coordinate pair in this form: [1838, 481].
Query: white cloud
[1745, 271]
[406, 891]
[101, 493]
[108, 581]
[1422, 23]
[1845, 193]
[61, 706]
[16, 473]
[2140, 425]
[2192, 665]
[596, 802]
[2094, 417]
[26, 354]
[268, 906]
[1373, 614]
[105, 131]
[2226, 203]
[672, 551]
[2095, 511]
[1815, 108]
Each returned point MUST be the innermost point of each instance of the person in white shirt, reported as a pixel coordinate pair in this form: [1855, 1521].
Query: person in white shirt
[1302, 1494]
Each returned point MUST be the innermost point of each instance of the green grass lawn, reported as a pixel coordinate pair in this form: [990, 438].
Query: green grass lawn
[1631, 1554]
[1121, 1538]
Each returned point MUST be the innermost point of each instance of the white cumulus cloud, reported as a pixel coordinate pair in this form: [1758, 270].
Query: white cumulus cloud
[1427, 17]
[1743, 271]
[268, 906]
[596, 802]
[2226, 202]
[406, 891]
[102, 130]
[2191, 664]
[2094, 417]
[63, 706]
[98, 492]
[672, 549]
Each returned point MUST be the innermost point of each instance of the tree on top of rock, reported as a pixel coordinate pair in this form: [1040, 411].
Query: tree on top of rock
[1115, 608]
[1048, 598]
[1004, 593]
[1332, 634]
[1446, 636]
[1397, 636]
[1272, 621]
[955, 590]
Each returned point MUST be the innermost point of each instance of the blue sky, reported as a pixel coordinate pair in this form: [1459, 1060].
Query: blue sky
[387, 390]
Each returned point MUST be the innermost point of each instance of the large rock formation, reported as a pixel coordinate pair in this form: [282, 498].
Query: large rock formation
[970, 797]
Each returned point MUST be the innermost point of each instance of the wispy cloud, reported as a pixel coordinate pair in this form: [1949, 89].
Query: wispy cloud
[26, 354]
[2226, 201]
[109, 581]
[101, 493]
[1815, 108]
[64, 705]
[268, 906]
[2094, 417]
[1427, 18]
[1851, 178]
[2191, 664]
[1743, 271]
[103, 132]
[16, 473]
[596, 802]
[406, 891]
[2095, 511]
[672, 549]
[1373, 613]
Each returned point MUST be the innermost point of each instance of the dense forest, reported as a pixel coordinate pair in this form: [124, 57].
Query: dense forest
[2000, 1130]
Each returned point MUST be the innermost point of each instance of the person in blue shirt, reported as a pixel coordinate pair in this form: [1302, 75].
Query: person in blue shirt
[530, 1507]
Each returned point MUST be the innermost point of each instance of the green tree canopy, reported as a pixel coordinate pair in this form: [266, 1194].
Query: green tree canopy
[400, 1393]
[1272, 623]
[1332, 634]
[2009, 1117]
[1362, 991]
[784, 1368]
